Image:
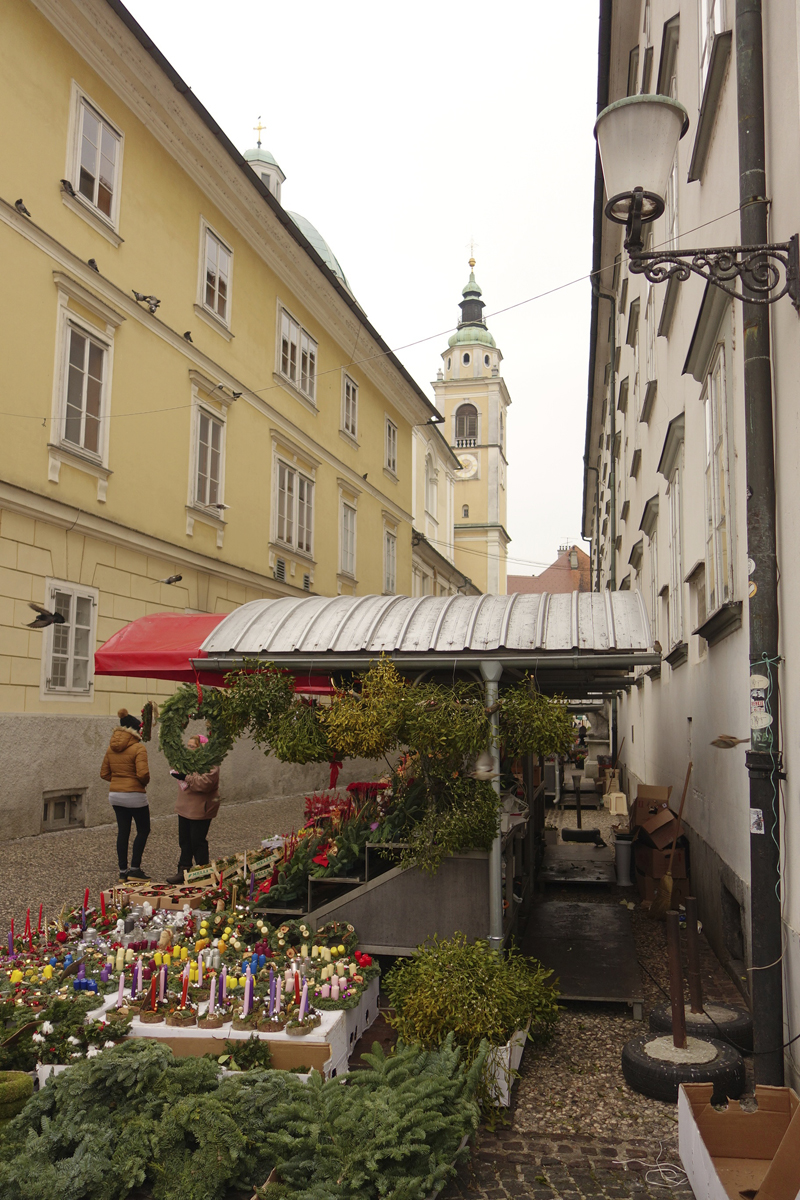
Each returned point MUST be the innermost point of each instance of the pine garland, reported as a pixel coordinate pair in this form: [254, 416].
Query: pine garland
[183, 707]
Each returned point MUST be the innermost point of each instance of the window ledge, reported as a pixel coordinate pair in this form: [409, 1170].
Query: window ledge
[348, 437]
[648, 404]
[215, 322]
[92, 217]
[292, 552]
[678, 655]
[717, 68]
[294, 390]
[726, 620]
[395, 478]
[195, 512]
[59, 453]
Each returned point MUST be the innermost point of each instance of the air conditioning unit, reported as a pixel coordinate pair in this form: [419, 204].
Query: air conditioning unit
[280, 569]
[306, 583]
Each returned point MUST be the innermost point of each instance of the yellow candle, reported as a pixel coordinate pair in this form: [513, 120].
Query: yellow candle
[128, 955]
[16, 976]
[232, 982]
[184, 952]
[110, 960]
[167, 960]
[48, 972]
[242, 980]
[158, 957]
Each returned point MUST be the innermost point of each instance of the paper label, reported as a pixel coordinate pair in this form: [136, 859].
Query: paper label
[756, 820]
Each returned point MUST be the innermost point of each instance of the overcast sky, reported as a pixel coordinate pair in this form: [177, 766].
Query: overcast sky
[406, 130]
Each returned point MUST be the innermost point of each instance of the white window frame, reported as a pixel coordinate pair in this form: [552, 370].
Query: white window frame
[390, 442]
[431, 488]
[466, 439]
[389, 562]
[209, 314]
[718, 538]
[349, 407]
[674, 496]
[711, 17]
[54, 632]
[348, 532]
[296, 374]
[299, 503]
[108, 224]
[209, 413]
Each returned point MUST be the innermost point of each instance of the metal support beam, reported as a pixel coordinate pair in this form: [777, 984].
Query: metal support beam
[491, 672]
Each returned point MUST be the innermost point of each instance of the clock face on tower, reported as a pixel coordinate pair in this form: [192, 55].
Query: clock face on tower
[469, 466]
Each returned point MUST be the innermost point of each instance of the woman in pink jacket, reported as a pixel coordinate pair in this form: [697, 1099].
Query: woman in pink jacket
[197, 805]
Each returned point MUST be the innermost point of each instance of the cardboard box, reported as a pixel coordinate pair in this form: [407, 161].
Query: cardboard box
[648, 889]
[648, 801]
[660, 830]
[655, 862]
[297, 1052]
[731, 1154]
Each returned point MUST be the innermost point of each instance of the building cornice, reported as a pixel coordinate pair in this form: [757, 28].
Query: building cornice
[117, 48]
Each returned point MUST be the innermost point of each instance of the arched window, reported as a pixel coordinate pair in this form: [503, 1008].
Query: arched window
[431, 487]
[465, 360]
[486, 360]
[449, 361]
[466, 422]
[465, 510]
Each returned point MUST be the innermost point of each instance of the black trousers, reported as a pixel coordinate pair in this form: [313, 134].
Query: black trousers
[193, 840]
[124, 818]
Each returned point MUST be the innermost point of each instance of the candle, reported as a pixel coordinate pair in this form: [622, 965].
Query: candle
[185, 990]
[16, 976]
[47, 971]
[325, 991]
[86, 898]
[315, 951]
[304, 1001]
[184, 953]
[162, 983]
[153, 985]
[340, 969]
[199, 970]
[104, 974]
[129, 955]
[212, 998]
[248, 983]
[304, 950]
[167, 959]
[121, 989]
[41, 909]
[224, 984]
[278, 990]
[335, 990]
[352, 969]
[158, 958]
[326, 954]
[297, 989]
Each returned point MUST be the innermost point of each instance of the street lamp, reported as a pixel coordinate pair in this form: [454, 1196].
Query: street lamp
[637, 138]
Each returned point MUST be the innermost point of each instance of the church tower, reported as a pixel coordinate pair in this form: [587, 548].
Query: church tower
[474, 399]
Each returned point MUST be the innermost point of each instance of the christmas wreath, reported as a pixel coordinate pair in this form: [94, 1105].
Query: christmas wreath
[176, 713]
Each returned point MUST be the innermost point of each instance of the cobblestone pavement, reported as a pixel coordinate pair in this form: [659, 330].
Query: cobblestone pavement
[576, 1130]
[56, 867]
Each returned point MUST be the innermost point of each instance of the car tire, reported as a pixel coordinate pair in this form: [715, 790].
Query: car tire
[660, 1080]
[736, 1029]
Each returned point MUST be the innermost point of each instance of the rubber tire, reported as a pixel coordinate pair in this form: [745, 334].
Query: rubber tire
[660, 1080]
[15, 1085]
[737, 1032]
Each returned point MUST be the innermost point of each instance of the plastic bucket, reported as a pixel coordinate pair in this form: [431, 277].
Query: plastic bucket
[622, 852]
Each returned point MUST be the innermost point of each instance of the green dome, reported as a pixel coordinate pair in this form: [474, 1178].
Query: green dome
[321, 246]
[469, 335]
[260, 155]
[471, 288]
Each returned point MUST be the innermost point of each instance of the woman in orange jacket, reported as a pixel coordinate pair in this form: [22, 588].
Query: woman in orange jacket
[125, 769]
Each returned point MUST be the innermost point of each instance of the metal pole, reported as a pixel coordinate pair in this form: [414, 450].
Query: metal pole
[676, 980]
[693, 956]
[557, 797]
[491, 672]
[763, 758]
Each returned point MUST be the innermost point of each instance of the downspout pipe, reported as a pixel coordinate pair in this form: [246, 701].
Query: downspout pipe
[596, 537]
[764, 757]
[612, 416]
[492, 672]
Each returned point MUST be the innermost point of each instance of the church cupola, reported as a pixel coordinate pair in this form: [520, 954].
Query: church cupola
[265, 166]
[472, 306]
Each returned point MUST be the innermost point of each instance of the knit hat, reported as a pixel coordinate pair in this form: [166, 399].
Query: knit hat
[127, 721]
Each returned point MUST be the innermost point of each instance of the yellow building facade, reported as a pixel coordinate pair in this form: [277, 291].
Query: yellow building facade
[190, 389]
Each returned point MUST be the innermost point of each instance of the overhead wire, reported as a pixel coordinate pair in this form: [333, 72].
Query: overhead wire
[383, 353]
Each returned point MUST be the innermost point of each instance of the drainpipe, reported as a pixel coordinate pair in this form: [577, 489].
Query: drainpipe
[491, 672]
[763, 758]
[597, 524]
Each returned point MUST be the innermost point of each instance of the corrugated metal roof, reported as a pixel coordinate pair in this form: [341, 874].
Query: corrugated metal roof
[517, 626]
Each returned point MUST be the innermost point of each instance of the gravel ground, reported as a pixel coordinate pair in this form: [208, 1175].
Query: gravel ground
[55, 868]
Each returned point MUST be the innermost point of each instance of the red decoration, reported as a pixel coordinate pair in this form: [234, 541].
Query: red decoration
[153, 986]
[297, 987]
[336, 767]
[86, 898]
[61, 936]
[185, 989]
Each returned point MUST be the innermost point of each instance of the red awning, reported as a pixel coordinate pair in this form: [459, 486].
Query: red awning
[163, 645]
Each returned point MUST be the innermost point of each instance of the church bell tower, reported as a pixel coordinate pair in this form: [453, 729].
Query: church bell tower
[472, 395]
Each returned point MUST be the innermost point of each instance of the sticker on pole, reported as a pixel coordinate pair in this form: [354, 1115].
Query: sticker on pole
[756, 820]
[760, 717]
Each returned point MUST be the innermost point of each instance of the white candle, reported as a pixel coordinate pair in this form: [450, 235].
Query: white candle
[120, 997]
[199, 970]
[304, 1000]
[212, 999]
[162, 983]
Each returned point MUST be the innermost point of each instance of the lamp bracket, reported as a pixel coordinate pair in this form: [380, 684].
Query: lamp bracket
[760, 270]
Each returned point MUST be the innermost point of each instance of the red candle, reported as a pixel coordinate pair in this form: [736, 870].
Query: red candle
[102, 905]
[86, 898]
[41, 909]
[297, 987]
[185, 990]
[153, 993]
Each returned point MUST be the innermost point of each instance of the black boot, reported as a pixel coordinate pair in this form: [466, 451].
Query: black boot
[177, 877]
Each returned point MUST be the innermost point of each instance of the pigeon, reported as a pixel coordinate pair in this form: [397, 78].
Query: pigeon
[67, 186]
[20, 207]
[364, 476]
[236, 395]
[219, 505]
[93, 264]
[726, 741]
[139, 296]
[188, 336]
[171, 579]
[45, 617]
[152, 304]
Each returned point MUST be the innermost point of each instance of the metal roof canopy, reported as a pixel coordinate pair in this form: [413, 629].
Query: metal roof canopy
[579, 643]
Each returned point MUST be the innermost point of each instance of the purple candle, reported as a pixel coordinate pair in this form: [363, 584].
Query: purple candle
[104, 974]
[304, 1000]
[212, 998]
[120, 997]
